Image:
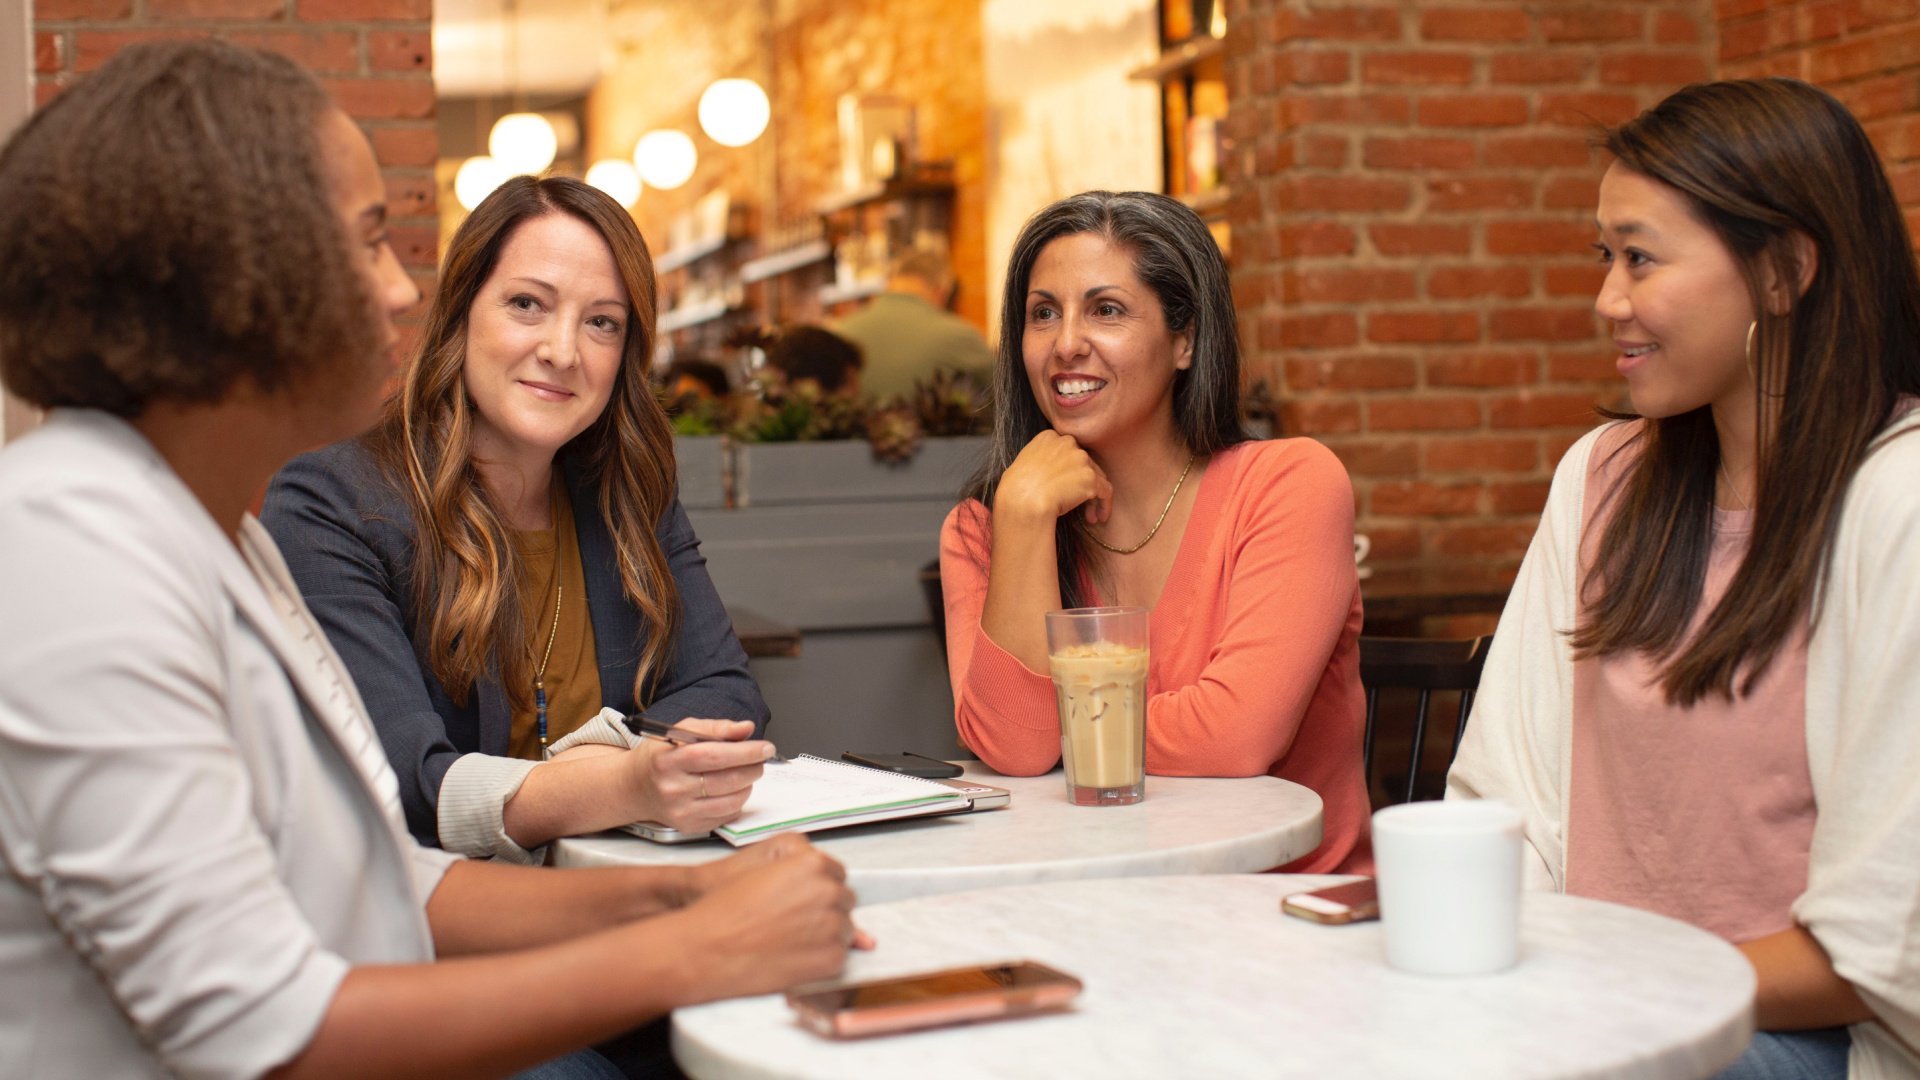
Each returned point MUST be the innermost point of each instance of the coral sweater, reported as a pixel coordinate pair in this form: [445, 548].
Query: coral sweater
[1255, 643]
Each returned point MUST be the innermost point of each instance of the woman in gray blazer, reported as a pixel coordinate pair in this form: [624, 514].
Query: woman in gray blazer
[206, 869]
[504, 556]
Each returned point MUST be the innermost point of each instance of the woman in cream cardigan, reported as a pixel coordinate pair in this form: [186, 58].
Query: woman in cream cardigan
[1702, 690]
[207, 870]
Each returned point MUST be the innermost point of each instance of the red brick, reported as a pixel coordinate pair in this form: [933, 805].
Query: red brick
[1866, 14]
[49, 53]
[1419, 153]
[1897, 139]
[1884, 51]
[1424, 499]
[1415, 239]
[1541, 410]
[1474, 24]
[250, 10]
[1543, 324]
[332, 52]
[1315, 239]
[1346, 286]
[1675, 28]
[1425, 412]
[1586, 110]
[1538, 68]
[365, 10]
[416, 245]
[1734, 9]
[1582, 365]
[46, 11]
[1557, 445]
[1378, 457]
[1582, 281]
[1482, 369]
[1483, 454]
[405, 144]
[1536, 151]
[45, 89]
[1320, 416]
[1469, 282]
[1303, 110]
[1571, 193]
[1321, 151]
[1312, 68]
[91, 48]
[1338, 24]
[410, 193]
[1481, 540]
[1417, 68]
[1345, 193]
[400, 50]
[1751, 37]
[1656, 69]
[1480, 193]
[1362, 372]
[1820, 20]
[383, 99]
[1474, 110]
[1390, 542]
[1524, 497]
[1538, 237]
[1333, 330]
[1887, 95]
[1423, 326]
[1617, 23]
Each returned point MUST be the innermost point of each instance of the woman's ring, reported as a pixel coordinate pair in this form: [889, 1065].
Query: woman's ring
[703, 784]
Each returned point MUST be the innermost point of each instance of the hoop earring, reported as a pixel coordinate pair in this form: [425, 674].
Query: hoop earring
[1753, 369]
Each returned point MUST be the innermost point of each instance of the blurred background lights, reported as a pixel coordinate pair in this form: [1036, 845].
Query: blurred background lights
[733, 112]
[618, 179]
[477, 178]
[665, 158]
[523, 142]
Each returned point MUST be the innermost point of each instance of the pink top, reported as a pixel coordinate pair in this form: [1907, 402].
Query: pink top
[1703, 813]
[1255, 643]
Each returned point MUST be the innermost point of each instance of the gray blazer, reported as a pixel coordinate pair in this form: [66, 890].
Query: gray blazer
[348, 539]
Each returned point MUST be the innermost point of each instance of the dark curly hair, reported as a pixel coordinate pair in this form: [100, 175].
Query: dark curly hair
[169, 231]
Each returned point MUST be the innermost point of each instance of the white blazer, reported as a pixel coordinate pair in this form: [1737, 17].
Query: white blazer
[200, 831]
[1863, 742]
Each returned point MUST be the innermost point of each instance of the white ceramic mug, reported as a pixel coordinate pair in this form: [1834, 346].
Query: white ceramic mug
[1449, 885]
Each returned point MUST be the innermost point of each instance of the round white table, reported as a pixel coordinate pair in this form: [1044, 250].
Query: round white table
[1185, 825]
[1202, 976]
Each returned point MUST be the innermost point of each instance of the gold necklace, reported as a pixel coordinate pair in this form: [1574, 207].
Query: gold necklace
[1732, 488]
[1162, 520]
[559, 589]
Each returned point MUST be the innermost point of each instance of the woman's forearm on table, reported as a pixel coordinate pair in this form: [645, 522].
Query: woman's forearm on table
[1798, 988]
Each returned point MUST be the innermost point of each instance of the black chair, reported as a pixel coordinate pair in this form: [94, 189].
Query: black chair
[1428, 665]
[936, 603]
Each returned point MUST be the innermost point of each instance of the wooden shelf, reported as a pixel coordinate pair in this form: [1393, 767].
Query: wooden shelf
[782, 262]
[1177, 60]
[693, 315]
[692, 253]
[930, 178]
[1209, 203]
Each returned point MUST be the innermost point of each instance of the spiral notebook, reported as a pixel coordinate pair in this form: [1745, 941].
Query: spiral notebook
[809, 793]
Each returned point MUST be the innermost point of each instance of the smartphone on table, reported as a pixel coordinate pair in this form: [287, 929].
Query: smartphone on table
[1355, 901]
[955, 996]
[911, 764]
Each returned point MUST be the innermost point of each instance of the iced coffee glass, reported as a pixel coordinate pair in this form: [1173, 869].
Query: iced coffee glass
[1099, 662]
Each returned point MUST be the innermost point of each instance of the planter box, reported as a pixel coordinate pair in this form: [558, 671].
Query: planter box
[795, 474]
[702, 465]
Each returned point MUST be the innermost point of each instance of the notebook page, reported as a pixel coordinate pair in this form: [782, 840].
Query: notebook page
[808, 789]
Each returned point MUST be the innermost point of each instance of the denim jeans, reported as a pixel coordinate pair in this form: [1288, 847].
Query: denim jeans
[1820, 1054]
[580, 1065]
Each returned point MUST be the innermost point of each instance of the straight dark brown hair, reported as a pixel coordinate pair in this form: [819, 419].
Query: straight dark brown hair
[470, 587]
[1761, 162]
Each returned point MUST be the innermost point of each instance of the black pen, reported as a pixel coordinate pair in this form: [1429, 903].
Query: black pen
[648, 728]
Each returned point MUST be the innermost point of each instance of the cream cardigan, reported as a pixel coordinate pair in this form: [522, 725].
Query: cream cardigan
[1863, 731]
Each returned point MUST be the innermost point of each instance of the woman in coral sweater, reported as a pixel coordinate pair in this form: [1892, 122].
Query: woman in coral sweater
[1120, 474]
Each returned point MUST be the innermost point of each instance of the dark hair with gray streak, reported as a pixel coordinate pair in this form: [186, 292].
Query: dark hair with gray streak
[1176, 257]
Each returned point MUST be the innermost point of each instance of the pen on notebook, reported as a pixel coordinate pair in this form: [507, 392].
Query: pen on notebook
[654, 729]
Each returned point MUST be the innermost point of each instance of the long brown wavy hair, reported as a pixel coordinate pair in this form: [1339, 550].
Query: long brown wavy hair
[1761, 162]
[471, 590]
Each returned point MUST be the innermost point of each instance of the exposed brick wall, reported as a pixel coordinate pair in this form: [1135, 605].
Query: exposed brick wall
[1413, 193]
[375, 57]
[1865, 52]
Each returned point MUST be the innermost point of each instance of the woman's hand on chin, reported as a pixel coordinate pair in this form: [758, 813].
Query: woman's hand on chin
[1051, 476]
[698, 787]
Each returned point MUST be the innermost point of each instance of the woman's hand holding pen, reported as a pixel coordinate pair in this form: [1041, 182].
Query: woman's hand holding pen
[776, 914]
[697, 786]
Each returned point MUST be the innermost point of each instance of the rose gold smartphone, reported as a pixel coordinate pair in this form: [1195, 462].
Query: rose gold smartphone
[1356, 901]
[954, 996]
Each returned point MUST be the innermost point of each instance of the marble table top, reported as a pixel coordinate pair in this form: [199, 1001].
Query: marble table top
[1202, 976]
[1186, 825]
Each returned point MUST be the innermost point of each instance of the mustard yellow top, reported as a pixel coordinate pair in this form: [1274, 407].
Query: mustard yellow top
[572, 677]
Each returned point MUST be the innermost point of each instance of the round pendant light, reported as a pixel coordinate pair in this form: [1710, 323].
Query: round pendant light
[477, 178]
[523, 142]
[617, 178]
[733, 112]
[665, 158]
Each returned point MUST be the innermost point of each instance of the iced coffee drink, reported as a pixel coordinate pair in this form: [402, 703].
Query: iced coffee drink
[1099, 663]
